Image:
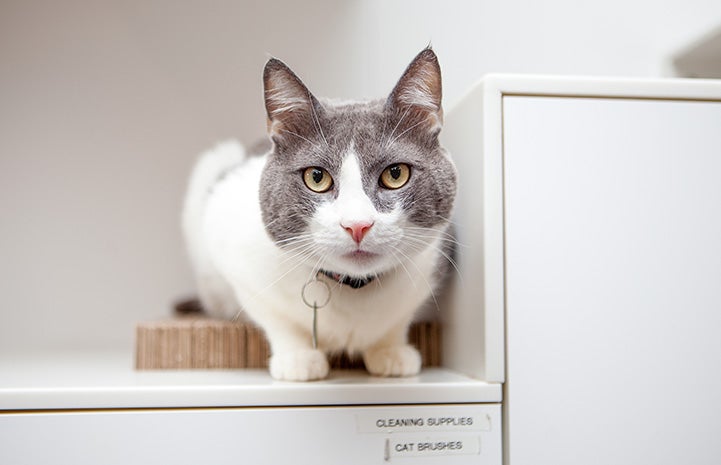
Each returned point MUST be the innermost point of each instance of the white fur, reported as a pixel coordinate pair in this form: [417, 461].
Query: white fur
[236, 261]
[215, 293]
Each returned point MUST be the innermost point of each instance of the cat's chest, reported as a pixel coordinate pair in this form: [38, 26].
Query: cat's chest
[354, 324]
[355, 318]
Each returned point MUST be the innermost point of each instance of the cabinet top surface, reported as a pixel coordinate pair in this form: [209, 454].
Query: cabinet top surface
[108, 381]
[602, 87]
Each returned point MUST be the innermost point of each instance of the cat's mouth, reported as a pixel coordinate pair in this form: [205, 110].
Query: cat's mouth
[360, 255]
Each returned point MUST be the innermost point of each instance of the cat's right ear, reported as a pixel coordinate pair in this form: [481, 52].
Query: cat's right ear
[292, 110]
[416, 99]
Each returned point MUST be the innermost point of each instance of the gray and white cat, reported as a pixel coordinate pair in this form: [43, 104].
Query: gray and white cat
[355, 194]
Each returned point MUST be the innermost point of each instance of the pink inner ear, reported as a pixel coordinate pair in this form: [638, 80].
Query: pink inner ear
[288, 101]
[418, 93]
[422, 90]
[282, 96]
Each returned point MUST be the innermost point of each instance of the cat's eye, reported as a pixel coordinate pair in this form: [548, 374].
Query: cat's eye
[317, 179]
[395, 176]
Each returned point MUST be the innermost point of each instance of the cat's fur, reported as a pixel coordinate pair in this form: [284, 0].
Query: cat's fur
[256, 233]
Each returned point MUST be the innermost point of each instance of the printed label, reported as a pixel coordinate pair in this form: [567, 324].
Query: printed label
[398, 446]
[389, 423]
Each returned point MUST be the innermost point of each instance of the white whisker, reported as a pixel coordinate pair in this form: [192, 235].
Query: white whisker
[430, 288]
[298, 135]
[445, 255]
[377, 277]
[299, 252]
[304, 256]
[442, 232]
[449, 239]
[400, 262]
[315, 269]
[293, 238]
[317, 124]
[396, 126]
[401, 134]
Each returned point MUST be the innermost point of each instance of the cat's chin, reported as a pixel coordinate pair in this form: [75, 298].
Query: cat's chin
[359, 263]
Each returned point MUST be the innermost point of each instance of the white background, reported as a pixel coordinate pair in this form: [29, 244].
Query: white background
[104, 105]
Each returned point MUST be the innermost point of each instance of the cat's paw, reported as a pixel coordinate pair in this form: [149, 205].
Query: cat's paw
[299, 365]
[393, 361]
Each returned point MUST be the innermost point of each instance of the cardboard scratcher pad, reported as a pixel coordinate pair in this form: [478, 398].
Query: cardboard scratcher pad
[200, 342]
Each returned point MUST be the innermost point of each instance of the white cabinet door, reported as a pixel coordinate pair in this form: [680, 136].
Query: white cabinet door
[434, 434]
[613, 280]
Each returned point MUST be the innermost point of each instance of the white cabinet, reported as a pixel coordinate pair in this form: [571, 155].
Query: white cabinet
[301, 435]
[586, 327]
[85, 409]
[602, 212]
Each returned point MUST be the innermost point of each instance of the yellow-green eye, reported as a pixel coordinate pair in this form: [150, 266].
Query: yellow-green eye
[395, 176]
[317, 179]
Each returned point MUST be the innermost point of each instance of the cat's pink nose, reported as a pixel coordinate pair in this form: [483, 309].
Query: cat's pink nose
[357, 230]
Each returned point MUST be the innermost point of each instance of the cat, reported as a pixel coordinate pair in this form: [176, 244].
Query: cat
[352, 197]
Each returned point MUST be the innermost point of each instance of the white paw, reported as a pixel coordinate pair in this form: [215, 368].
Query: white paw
[299, 365]
[393, 361]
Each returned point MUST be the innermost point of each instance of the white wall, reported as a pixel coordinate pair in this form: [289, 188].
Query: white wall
[103, 106]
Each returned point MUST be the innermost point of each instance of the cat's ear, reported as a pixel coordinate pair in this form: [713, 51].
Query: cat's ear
[292, 110]
[416, 99]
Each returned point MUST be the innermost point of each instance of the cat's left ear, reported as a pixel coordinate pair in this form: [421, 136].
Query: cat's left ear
[292, 110]
[417, 96]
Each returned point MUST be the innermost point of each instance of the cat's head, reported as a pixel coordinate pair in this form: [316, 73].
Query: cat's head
[357, 188]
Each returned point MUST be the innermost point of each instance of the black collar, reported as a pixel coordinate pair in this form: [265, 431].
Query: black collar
[355, 283]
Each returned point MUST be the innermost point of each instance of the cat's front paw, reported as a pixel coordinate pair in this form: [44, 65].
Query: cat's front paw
[299, 365]
[393, 361]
